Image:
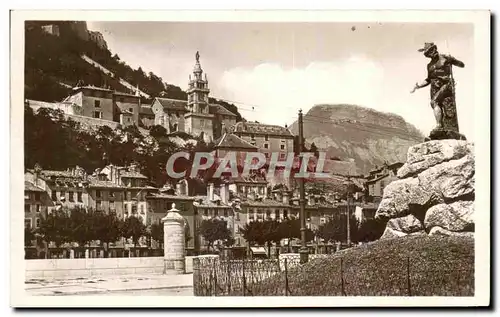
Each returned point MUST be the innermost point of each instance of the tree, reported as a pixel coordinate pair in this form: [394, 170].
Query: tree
[81, 228]
[272, 234]
[107, 228]
[370, 230]
[133, 228]
[290, 229]
[214, 230]
[157, 132]
[56, 228]
[157, 233]
[29, 236]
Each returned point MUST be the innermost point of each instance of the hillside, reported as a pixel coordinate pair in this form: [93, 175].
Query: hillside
[368, 136]
[55, 63]
[413, 265]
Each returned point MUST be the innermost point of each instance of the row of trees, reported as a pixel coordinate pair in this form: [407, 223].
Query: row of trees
[269, 232]
[86, 226]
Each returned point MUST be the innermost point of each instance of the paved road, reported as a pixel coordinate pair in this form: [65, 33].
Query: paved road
[148, 292]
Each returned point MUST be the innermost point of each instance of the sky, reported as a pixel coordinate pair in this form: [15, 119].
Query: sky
[271, 70]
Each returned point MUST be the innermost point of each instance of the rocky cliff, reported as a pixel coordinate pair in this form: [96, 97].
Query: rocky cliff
[434, 193]
[368, 136]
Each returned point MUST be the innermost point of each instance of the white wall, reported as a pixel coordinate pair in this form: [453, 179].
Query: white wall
[75, 268]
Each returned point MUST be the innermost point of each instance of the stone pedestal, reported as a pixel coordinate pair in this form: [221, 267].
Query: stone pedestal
[444, 134]
[174, 243]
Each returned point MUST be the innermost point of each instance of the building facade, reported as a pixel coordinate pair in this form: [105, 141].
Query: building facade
[378, 179]
[267, 138]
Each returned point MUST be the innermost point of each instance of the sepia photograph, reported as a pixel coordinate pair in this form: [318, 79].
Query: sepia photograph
[214, 158]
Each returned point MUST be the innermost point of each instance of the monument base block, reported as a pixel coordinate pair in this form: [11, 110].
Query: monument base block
[174, 267]
[442, 134]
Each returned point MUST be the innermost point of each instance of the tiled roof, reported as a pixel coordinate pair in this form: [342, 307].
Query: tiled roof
[125, 94]
[172, 104]
[260, 128]
[146, 110]
[44, 104]
[218, 109]
[252, 180]
[96, 183]
[229, 140]
[132, 174]
[166, 196]
[29, 187]
[204, 202]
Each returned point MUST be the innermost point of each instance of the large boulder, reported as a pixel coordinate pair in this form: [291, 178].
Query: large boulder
[425, 155]
[407, 224]
[438, 231]
[391, 234]
[457, 216]
[435, 189]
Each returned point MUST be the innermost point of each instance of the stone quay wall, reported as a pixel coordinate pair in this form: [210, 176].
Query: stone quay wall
[85, 268]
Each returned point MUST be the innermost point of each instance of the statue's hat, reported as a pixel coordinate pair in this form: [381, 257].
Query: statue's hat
[427, 46]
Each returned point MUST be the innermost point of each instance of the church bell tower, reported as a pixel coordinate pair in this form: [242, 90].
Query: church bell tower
[198, 120]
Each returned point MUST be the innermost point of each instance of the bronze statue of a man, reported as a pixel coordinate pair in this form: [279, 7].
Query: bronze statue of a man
[443, 103]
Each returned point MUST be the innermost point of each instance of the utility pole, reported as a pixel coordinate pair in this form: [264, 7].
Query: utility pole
[304, 252]
[349, 199]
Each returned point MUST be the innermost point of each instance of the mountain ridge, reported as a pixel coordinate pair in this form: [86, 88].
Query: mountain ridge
[369, 137]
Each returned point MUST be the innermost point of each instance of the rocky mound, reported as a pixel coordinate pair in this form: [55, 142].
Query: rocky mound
[367, 136]
[434, 193]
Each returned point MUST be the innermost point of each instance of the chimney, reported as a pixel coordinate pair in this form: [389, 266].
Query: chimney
[210, 191]
[286, 198]
[178, 188]
[224, 193]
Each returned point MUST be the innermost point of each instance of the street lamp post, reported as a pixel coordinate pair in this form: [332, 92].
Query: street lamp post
[303, 251]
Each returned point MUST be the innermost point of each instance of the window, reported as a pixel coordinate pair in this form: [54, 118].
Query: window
[79, 196]
[97, 103]
[251, 216]
[253, 136]
[216, 212]
[26, 196]
[225, 213]
[27, 223]
[112, 194]
[71, 196]
[128, 120]
[142, 209]
[282, 146]
[282, 155]
[98, 194]
[53, 195]
[237, 216]
[268, 214]
[285, 213]
[27, 208]
[38, 208]
[98, 205]
[205, 212]
[277, 214]
[97, 114]
[37, 223]
[37, 196]
[112, 206]
[267, 155]
[266, 137]
[129, 195]
[62, 195]
[308, 216]
[266, 146]
[131, 110]
[202, 123]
